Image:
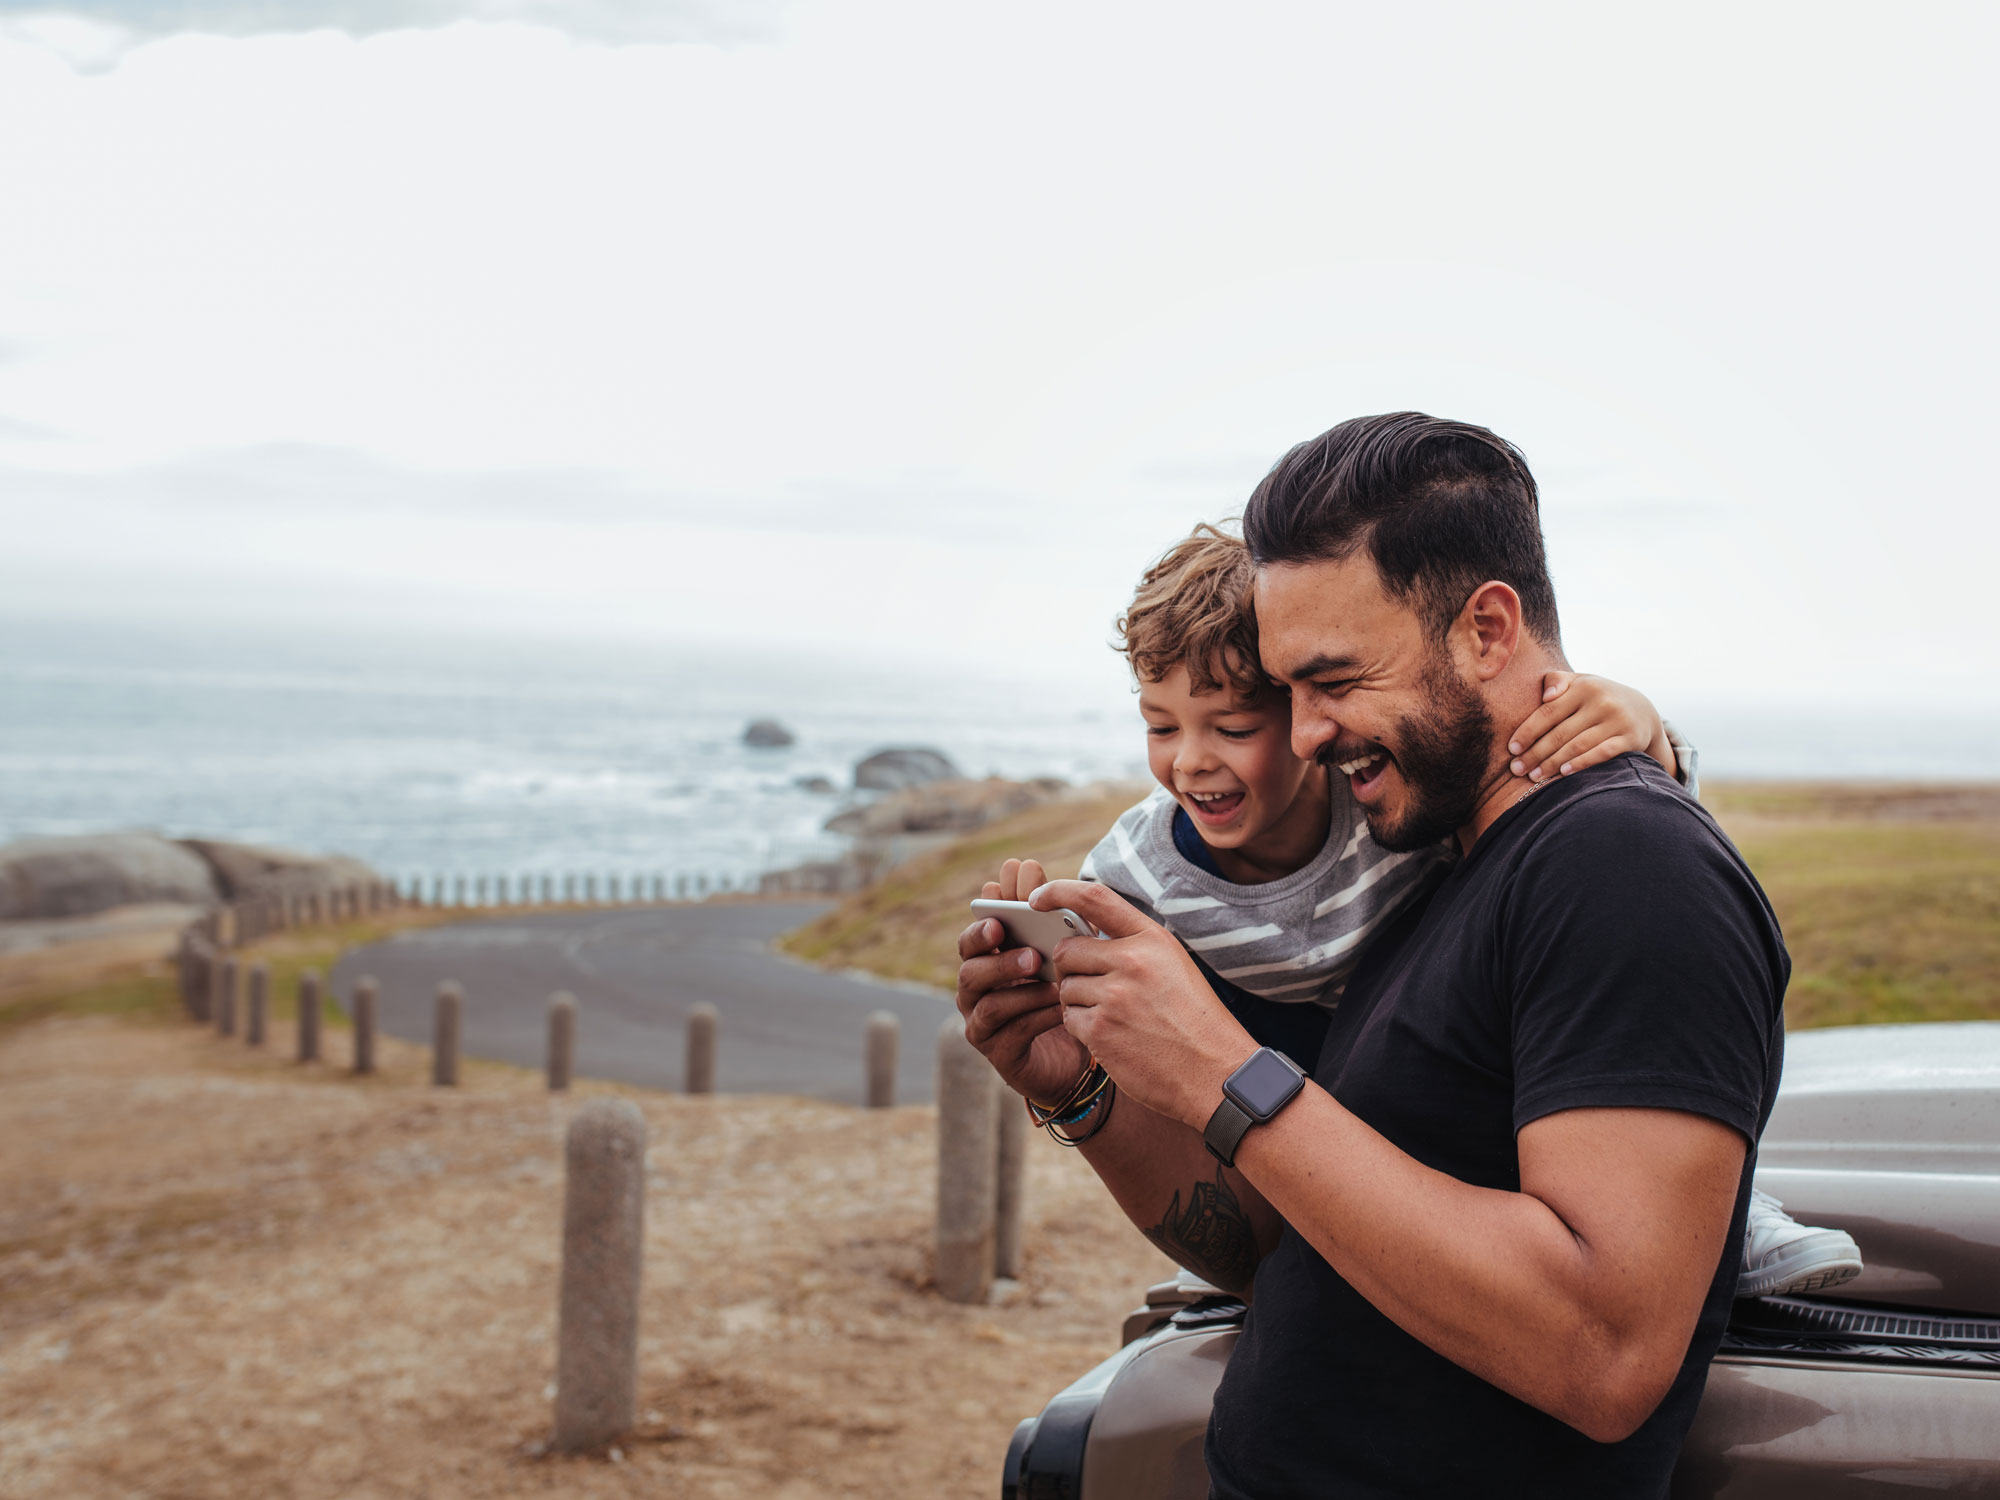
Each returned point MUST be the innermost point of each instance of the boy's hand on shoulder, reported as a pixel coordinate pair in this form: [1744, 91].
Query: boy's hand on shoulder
[1583, 722]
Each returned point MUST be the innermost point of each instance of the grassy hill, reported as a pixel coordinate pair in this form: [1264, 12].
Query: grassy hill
[1889, 895]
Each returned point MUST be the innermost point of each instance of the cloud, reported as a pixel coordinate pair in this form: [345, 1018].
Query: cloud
[93, 35]
[19, 431]
[331, 483]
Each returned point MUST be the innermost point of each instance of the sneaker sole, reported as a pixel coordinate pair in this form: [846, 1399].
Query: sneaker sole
[1811, 1270]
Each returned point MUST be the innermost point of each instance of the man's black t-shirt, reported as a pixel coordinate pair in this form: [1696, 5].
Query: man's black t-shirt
[1602, 944]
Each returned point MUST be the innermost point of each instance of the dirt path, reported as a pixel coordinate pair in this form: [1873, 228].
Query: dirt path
[221, 1276]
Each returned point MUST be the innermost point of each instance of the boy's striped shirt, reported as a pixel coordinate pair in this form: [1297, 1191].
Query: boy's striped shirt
[1294, 939]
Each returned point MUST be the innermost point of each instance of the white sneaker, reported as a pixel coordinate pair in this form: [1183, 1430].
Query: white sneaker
[1782, 1257]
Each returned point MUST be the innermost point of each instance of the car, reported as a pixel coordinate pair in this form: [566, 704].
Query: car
[1891, 1133]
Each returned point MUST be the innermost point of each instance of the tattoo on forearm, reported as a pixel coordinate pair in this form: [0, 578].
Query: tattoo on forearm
[1211, 1235]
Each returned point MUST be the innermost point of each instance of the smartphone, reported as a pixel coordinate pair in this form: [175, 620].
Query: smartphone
[1040, 930]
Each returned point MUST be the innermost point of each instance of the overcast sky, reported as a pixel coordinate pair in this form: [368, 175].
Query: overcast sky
[885, 327]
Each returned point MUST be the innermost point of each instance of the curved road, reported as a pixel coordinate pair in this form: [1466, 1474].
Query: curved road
[785, 1028]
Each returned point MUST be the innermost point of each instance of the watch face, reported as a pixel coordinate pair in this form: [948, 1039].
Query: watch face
[1263, 1084]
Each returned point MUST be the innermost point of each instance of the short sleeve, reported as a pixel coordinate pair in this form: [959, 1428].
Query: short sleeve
[1643, 965]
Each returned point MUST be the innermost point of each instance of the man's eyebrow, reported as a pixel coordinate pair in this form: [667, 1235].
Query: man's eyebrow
[1325, 666]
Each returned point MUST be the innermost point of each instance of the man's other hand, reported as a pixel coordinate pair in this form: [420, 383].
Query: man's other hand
[1135, 999]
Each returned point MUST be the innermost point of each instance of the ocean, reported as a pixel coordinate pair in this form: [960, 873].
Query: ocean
[432, 756]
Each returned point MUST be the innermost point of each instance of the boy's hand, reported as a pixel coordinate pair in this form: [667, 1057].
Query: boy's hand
[1585, 721]
[1013, 1019]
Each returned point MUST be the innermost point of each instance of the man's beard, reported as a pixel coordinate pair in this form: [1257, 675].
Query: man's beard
[1444, 754]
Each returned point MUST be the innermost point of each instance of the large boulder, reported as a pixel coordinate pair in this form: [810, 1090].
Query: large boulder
[253, 870]
[767, 734]
[954, 806]
[74, 876]
[904, 766]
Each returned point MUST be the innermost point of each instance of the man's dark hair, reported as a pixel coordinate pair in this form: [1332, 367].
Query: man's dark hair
[1441, 506]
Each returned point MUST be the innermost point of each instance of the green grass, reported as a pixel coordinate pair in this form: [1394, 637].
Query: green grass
[152, 993]
[1885, 921]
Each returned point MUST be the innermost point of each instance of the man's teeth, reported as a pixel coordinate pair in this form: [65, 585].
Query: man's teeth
[1349, 767]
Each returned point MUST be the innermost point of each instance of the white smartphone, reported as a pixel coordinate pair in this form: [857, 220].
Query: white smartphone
[1040, 930]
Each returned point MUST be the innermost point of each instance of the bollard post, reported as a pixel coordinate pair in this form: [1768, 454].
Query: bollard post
[702, 1022]
[562, 1039]
[445, 1018]
[604, 1236]
[590, 890]
[365, 993]
[225, 926]
[204, 982]
[968, 1120]
[194, 977]
[309, 1016]
[225, 997]
[258, 1021]
[1010, 1178]
[884, 1033]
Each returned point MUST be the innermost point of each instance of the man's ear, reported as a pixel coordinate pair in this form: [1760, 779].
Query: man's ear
[1489, 628]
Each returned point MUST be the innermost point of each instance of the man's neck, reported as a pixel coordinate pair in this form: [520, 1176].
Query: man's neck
[1509, 702]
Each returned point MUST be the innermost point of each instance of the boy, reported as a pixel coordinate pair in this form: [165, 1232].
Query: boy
[1262, 865]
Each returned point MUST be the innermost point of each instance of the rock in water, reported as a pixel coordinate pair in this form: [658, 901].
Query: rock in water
[767, 734]
[71, 877]
[892, 770]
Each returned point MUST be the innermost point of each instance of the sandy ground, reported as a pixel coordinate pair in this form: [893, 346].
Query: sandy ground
[224, 1276]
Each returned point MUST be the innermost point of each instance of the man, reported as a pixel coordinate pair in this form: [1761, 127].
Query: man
[1491, 1242]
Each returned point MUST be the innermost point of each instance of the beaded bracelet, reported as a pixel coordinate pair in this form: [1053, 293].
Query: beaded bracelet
[1093, 1089]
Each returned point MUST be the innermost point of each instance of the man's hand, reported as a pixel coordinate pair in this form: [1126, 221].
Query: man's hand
[1583, 722]
[1014, 1020]
[1137, 1002]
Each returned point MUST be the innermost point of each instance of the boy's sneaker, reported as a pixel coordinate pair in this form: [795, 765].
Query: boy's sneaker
[1782, 1257]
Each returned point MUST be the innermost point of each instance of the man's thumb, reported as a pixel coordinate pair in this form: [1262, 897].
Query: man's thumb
[1103, 908]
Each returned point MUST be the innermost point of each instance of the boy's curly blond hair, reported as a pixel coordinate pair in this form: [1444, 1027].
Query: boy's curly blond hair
[1192, 607]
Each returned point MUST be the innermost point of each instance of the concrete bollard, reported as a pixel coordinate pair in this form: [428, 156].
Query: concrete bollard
[446, 1016]
[1010, 1178]
[225, 996]
[257, 1023]
[968, 1122]
[562, 1040]
[366, 993]
[884, 1034]
[225, 926]
[702, 1022]
[604, 1236]
[194, 976]
[590, 890]
[309, 1016]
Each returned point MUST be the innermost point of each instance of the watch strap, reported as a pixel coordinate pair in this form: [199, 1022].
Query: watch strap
[1225, 1130]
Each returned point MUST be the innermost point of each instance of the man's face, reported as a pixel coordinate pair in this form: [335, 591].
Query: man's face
[1375, 697]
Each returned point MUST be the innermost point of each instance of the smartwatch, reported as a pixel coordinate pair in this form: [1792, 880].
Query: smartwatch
[1253, 1094]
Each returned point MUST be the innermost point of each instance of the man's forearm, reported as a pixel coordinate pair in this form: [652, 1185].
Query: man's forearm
[1180, 1197]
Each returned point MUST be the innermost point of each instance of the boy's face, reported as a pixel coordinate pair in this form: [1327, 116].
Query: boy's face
[1227, 759]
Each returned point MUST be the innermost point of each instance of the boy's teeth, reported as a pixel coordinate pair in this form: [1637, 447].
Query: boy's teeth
[1349, 767]
[1210, 796]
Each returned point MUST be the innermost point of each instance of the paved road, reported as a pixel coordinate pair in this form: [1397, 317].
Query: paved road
[785, 1028]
